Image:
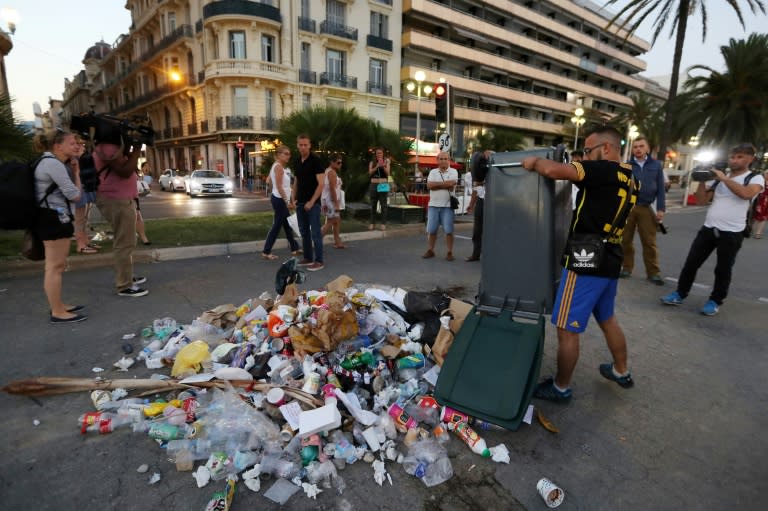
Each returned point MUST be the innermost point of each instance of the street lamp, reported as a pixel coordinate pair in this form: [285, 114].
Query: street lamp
[11, 17]
[577, 119]
[632, 134]
[693, 142]
[419, 76]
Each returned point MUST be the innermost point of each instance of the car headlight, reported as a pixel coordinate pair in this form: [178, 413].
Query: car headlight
[194, 185]
[228, 186]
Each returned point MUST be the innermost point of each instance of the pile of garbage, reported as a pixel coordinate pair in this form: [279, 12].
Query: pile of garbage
[316, 380]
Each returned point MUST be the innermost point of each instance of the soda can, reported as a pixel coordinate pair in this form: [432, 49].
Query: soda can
[403, 421]
[449, 415]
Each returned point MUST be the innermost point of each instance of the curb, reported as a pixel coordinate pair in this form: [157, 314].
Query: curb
[22, 267]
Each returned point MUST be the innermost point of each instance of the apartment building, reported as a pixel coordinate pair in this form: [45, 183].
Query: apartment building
[216, 77]
[524, 65]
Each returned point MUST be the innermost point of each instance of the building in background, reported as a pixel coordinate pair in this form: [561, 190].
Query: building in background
[215, 78]
[524, 65]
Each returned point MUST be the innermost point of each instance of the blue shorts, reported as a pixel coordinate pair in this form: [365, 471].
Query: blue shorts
[581, 295]
[437, 217]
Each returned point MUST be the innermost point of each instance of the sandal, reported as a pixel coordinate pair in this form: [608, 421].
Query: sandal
[758, 236]
[87, 250]
[268, 257]
[296, 252]
[339, 246]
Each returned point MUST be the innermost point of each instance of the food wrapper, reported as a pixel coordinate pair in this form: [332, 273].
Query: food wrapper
[223, 316]
[222, 500]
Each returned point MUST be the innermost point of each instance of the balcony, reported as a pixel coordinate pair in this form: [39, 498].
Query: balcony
[200, 76]
[183, 31]
[176, 132]
[307, 24]
[198, 26]
[379, 42]
[192, 129]
[348, 82]
[387, 2]
[338, 30]
[204, 126]
[307, 76]
[234, 122]
[378, 88]
[166, 133]
[240, 67]
[270, 123]
[241, 8]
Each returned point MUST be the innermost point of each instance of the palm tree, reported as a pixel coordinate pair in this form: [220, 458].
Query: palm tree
[635, 13]
[732, 106]
[497, 139]
[15, 143]
[647, 114]
[344, 131]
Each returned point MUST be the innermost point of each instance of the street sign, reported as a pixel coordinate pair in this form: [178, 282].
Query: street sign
[444, 142]
[240, 144]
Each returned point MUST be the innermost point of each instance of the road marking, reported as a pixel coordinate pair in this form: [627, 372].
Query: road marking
[762, 299]
[462, 237]
[700, 286]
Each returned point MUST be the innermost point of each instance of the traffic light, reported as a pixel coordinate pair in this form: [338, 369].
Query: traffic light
[441, 103]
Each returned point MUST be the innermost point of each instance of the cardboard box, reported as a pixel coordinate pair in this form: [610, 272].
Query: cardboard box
[458, 310]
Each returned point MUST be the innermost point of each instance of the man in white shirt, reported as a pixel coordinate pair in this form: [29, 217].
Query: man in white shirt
[441, 182]
[723, 228]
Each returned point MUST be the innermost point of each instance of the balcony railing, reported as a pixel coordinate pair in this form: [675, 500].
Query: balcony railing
[388, 2]
[337, 29]
[166, 132]
[378, 88]
[192, 129]
[219, 123]
[381, 43]
[307, 76]
[201, 76]
[241, 8]
[234, 122]
[244, 67]
[270, 123]
[307, 24]
[349, 82]
[204, 126]
[198, 26]
[176, 132]
[181, 32]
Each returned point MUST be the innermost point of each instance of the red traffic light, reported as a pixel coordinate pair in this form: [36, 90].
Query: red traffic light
[440, 90]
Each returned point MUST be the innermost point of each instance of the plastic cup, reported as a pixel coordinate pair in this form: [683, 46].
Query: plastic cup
[552, 494]
[276, 396]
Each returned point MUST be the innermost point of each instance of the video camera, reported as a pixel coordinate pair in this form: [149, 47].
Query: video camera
[105, 128]
[704, 172]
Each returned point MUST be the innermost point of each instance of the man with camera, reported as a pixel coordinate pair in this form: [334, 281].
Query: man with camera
[642, 217]
[115, 200]
[731, 195]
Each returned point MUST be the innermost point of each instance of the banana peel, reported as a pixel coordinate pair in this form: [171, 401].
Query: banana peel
[546, 422]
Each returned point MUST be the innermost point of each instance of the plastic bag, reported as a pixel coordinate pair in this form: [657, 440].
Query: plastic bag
[189, 358]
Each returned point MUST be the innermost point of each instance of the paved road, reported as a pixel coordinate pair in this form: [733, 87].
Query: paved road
[690, 435]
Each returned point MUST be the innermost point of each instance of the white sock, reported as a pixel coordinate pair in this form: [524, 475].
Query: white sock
[558, 388]
[618, 374]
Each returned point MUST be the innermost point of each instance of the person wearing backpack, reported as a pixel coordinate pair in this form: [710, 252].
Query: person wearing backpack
[731, 195]
[115, 200]
[55, 216]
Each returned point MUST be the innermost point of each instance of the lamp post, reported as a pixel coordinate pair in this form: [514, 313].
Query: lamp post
[632, 133]
[11, 17]
[577, 119]
[419, 76]
[693, 143]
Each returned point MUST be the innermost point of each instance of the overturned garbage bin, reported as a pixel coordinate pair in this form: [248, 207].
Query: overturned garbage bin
[493, 365]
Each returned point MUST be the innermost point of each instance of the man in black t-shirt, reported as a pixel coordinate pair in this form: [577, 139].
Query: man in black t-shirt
[307, 188]
[603, 204]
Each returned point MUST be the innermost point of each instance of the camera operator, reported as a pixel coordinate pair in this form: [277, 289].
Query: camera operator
[115, 200]
[723, 228]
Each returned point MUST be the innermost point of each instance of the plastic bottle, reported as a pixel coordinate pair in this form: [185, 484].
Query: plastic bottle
[427, 415]
[64, 217]
[102, 422]
[361, 341]
[358, 360]
[414, 467]
[472, 439]
[438, 472]
[344, 448]
[414, 361]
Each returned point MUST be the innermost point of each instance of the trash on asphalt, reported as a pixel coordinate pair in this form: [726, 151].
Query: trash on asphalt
[552, 494]
[294, 387]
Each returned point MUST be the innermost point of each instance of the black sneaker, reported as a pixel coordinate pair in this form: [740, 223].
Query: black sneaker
[133, 291]
[624, 381]
[77, 318]
[139, 280]
[546, 390]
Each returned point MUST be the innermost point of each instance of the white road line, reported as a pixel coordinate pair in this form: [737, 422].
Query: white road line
[700, 286]
[462, 237]
[762, 299]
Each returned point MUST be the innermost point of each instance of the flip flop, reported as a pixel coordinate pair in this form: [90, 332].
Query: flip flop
[339, 246]
[87, 250]
[268, 257]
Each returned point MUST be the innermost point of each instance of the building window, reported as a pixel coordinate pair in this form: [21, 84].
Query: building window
[335, 66]
[171, 22]
[378, 74]
[267, 48]
[306, 62]
[237, 45]
[239, 101]
[380, 25]
[306, 100]
[269, 103]
[334, 12]
[305, 9]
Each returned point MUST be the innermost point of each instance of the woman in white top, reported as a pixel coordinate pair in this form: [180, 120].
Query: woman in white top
[330, 200]
[280, 177]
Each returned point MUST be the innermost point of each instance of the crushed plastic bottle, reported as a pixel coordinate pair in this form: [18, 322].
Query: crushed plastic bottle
[471, 438]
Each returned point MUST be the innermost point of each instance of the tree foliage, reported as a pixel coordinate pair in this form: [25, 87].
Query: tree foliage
[15, 142]
[730, 106]
[497, 139]
[344, 131]
[647, 113]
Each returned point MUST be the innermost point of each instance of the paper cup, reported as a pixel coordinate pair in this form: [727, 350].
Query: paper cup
[276, 396]
[286, 434]
[552, 494]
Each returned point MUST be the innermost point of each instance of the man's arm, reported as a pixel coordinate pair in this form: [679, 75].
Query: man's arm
[661, 195]
[318, 191]
[551, 168]
[124, 167]
[702, 194]
[746, 192]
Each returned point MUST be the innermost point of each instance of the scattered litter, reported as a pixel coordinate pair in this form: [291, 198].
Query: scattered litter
[500, 454]
[97, 370]
[123, 364]
[202, 476]
[546, 422]
[281, 491]
[311, 490]
[128, 337]
[154, 478]
[142, 468]
[36, 422]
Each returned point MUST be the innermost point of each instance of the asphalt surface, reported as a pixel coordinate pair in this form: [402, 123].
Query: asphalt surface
[689, 435]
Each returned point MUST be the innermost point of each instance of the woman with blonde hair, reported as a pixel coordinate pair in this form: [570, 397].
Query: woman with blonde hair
[57, 189]
[280, 178]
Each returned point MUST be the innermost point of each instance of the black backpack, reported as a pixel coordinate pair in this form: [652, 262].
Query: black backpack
[751, 209]
[18, 203]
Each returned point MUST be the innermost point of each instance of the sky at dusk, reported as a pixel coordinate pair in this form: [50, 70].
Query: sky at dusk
[51, 39]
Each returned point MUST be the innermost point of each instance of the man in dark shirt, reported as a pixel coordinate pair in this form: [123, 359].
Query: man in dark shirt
[307, 188]
[481, 162]
[604, 190]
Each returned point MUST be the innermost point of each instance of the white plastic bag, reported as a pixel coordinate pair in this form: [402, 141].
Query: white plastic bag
[293, 221]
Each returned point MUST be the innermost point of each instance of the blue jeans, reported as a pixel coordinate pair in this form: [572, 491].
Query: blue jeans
[309, 222]
[280, 221]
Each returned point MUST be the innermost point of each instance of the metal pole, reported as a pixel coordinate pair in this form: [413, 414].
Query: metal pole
[576, 138]
[418, 121]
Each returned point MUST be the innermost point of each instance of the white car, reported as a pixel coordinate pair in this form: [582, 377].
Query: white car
[172, 180]
[209, 182]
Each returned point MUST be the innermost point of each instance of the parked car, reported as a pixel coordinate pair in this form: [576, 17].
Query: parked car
[173, 180]
[209, 182]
